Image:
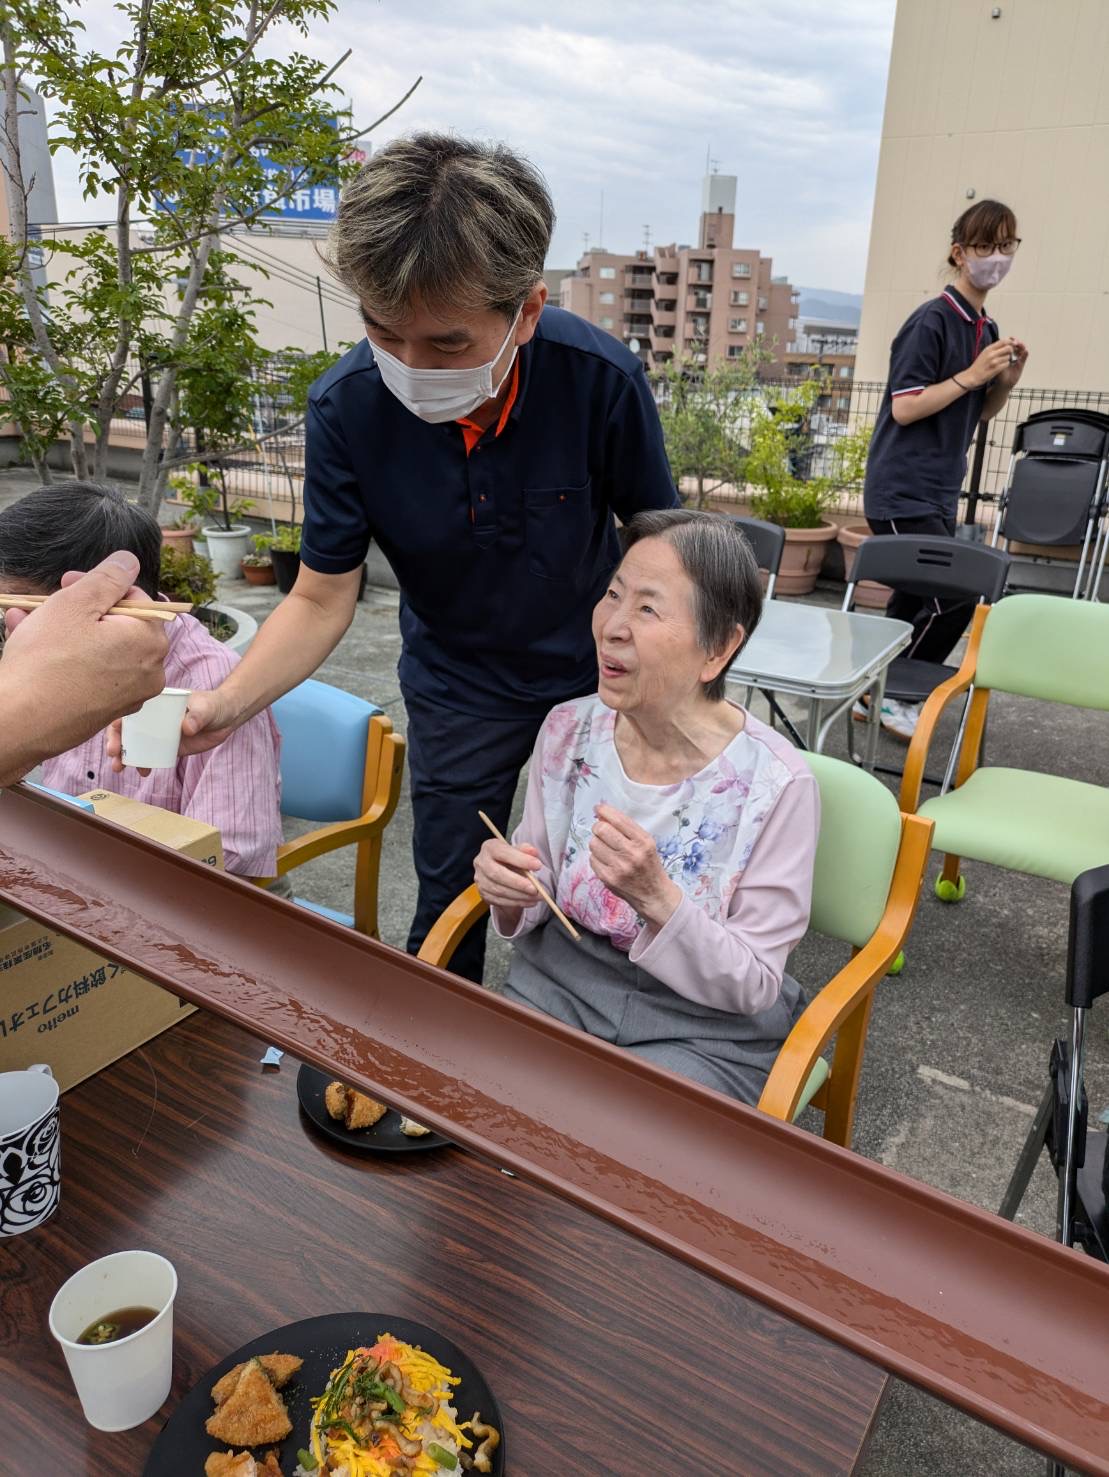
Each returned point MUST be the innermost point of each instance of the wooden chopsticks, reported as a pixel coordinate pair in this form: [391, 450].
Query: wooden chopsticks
[143, 610]
[540, 889]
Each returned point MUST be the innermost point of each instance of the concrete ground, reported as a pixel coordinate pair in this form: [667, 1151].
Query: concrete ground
[957, 1052]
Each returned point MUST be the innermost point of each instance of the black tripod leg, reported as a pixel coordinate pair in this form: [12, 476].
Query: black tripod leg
[1029, 1155]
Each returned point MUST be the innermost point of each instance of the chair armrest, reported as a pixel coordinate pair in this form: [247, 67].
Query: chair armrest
[291, 854]
[452, 926]
[933, 709]
[842, 995]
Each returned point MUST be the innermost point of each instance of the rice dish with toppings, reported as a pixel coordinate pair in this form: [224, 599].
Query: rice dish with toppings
[388, 1409]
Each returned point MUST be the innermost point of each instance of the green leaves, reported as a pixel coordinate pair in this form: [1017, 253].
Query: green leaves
[195, 120]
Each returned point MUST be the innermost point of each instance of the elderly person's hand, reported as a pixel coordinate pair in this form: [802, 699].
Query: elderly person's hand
[500, 871]
[626, 860]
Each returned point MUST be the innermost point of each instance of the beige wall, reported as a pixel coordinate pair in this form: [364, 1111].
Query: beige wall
[1015, 108]
[291, 316]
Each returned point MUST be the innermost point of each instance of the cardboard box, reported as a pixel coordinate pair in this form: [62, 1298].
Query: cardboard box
[63, 1004]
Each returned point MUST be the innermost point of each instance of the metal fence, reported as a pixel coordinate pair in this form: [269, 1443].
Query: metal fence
[849, 404]
[271, 474]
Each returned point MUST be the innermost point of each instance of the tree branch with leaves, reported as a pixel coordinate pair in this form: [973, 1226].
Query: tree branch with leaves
[202, 119]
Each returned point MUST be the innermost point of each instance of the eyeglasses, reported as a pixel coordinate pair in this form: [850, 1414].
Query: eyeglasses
[987, 248]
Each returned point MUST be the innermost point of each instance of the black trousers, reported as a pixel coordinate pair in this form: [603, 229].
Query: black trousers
[937, 624]
[458, 765]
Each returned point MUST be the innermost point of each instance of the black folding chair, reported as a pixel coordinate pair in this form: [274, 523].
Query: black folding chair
[1079, 1154]
[1055, 492]
[767, 541]
[934, 569]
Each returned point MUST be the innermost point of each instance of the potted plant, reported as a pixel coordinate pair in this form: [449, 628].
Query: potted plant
[258, 567]
[201, 500]
[849, 464]
[186, 577]
[284, 548]
[229, 539]
[779, 442]
[191, 578]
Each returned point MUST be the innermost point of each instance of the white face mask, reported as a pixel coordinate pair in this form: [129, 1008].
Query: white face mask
[987, 271]
[439, 395]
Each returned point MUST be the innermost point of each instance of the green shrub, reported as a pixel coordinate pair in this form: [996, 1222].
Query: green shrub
[187, 577]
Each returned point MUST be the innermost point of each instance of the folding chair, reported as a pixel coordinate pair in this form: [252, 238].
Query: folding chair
[341, 763]
[1042, 824]
[1055, 492]
[1079, 1155]
[870, 863]
[933, 569]
[767, 540]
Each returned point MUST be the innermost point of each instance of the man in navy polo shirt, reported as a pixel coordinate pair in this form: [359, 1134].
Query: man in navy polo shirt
[484, 440]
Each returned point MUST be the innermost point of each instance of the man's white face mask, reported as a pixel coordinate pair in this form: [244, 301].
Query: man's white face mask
[438, 395]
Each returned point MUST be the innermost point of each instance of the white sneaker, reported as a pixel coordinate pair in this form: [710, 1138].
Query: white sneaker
[900, 719]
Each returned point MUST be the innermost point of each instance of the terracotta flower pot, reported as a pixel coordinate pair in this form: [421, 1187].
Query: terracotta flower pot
[869, 595]
[257, 574]
[802, 558]
[180, 539]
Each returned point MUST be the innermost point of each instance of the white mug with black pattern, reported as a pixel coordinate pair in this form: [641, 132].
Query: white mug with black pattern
[29, 1149]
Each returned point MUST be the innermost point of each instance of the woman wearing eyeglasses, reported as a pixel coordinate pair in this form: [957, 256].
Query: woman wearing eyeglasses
[949, 370]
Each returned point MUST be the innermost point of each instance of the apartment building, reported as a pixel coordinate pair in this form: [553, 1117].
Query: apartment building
[826, 347]
[705, 302]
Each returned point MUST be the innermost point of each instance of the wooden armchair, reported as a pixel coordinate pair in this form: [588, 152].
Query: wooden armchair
[869, 868]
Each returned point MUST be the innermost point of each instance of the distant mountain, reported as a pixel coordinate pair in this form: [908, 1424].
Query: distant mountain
[837, 307]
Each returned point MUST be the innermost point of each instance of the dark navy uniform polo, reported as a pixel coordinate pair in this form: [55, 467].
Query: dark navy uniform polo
[918, 469]
[501, 548]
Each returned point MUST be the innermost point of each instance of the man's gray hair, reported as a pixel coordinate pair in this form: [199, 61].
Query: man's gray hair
[459, 225]
[727, 590]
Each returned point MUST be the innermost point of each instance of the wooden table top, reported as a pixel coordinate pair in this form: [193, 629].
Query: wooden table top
[592, 1342]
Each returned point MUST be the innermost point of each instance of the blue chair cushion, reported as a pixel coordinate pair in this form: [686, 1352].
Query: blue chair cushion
[61, 795]
[323, 751]
[345, 919]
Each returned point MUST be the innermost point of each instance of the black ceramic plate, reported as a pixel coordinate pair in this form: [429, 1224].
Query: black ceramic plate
[384, 1137]
[184, 1445]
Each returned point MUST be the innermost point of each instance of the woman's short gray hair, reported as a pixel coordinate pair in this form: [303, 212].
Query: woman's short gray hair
[457, 224]
[716, 556]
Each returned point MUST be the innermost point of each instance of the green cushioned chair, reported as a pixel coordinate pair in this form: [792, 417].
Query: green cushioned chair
[1041, 824]
[870, 861]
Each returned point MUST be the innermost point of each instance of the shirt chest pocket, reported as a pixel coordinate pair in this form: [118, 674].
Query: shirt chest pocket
[558, 527]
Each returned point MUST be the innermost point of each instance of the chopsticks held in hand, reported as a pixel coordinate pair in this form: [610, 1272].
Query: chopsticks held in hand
[162, 610]
[540, 889]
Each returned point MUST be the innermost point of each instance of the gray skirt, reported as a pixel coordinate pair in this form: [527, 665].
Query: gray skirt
[597, 988]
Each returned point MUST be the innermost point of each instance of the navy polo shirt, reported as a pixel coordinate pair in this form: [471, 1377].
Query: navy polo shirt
[918, 469]
[500, 555]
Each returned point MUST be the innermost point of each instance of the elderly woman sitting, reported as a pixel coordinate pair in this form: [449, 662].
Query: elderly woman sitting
[677, 830]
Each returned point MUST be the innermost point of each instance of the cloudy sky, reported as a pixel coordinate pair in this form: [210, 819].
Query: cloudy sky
[628, 98]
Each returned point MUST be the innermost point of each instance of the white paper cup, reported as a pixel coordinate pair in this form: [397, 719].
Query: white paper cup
[152, 736]
[120, 1385]
[29, 1149]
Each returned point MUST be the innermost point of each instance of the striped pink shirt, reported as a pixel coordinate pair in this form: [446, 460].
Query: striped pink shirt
[235, 787]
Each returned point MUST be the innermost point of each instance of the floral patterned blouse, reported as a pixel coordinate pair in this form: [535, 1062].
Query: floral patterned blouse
[738, 838]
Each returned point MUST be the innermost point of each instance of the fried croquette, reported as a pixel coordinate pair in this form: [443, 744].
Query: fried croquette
[335, 1099]
[355, 1108]
[279, 1368]
[363, 1111]
[230, 1464]
[242, 1464]
[253, 1414]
